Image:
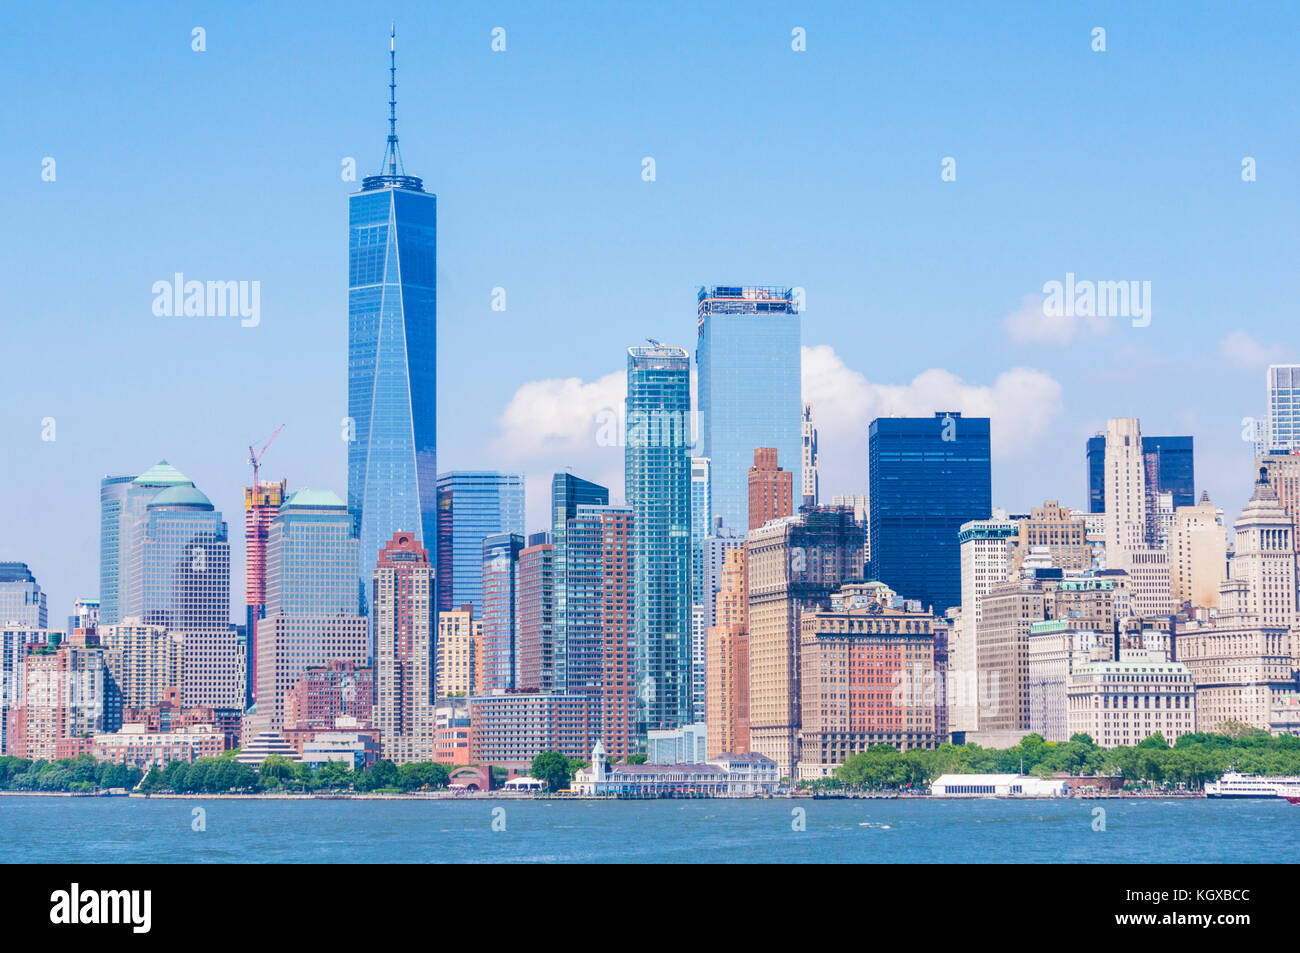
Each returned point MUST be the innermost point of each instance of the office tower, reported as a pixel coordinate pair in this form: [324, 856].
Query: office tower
[1126, 498]
[405, 624]
[145, 661]
[794, 565]
[392, 354]
[1002, 648]
[727, 665]
[1170, 462]
[473, 505]
[658, 486]
[536, 615]
[313, 613]
[499, 567]
[1283, 471]
[602, 598]
[701, 524]
[1098, 693]
[985, 548]
[1055, 532]
[770, 489]
[1264, 558]
[85, 617]
[749, 387]
[1283, 382]
[177, 577]
[714, 549]
[460, 636]
[1198, 554]
[861, 506]
[261, 503]
[568, 492]
[112, 495]
[22, 604]
[68, 694]
[811, 488]
[927, 476]
[1056, 648]
[867, 640]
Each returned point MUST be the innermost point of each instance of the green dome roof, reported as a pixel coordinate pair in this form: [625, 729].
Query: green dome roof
[162, 473]
[187, 495]
[315, 498]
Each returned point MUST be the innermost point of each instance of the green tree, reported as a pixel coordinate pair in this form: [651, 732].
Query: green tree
[552, 768]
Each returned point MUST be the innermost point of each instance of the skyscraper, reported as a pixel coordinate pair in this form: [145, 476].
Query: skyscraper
[568, 492]
[770, 489]
[1169, 461]
[749, 387]
[499, 566]
[312, 602]
[22, 604]
[112, 495]
[472, 505]
[1283, 428]
[536, 615]
[811, 487]
[261, 503]
[658, 484]
[406, 629]
[927, 476]
[392, 354]
[701, 524]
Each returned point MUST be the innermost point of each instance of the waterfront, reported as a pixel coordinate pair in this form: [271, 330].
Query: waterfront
[122, 830]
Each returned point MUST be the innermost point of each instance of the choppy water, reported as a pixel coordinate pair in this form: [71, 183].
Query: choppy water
[121, 830]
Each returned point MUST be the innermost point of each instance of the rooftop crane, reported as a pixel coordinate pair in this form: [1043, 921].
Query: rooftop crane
[256, 458]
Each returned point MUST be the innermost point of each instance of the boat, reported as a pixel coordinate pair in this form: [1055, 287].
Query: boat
[1237, 785]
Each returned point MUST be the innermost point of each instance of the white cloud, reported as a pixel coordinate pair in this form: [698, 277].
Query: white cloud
[1021, 402]
[557, 415]
[1247, 353]
[1028, 324]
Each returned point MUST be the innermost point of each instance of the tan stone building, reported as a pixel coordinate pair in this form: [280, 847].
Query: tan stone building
[1057, 531]
[1198, 554]
[460, 637]
[727, 662]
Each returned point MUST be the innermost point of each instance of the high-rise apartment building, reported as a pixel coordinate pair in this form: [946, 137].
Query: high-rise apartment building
[568, 492]
[927, 476]
[460, 637]
[313, 602]
[658, 487]
[811, 483]
[473, 505]
[770, 489]
[67, 693]
[1198, 554]
[794, 565]
[22, 603]
[144, 661]
[404, 619]
[499, 566]
[392, 355]
[535, 615]
[750, 387]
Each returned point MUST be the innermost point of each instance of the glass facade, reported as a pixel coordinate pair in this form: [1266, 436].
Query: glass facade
[1283, 407]
[749, 389]
[472, 505]
[927, 476]
[22, 604]
[568, 492]
[1170, 459]
[311, 557]
[499, 568]
[392, 362]
[657, 459]
[701, 507]
[112, 494]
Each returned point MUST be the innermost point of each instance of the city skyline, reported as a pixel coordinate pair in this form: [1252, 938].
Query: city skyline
[1043, 403]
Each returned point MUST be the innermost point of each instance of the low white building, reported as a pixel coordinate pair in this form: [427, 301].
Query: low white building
[728, 775]
[997, 785]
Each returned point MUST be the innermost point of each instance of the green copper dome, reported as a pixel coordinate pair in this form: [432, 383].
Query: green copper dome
[162, 473]
[187, 495]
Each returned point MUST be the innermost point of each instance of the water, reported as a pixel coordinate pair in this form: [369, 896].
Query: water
[121, 830]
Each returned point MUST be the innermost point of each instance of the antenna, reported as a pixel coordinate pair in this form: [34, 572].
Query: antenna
[392, 154]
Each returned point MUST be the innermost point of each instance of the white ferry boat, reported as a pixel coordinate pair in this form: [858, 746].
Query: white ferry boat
[1253, 785]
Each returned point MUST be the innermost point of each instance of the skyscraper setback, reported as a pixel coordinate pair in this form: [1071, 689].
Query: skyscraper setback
[392, 354]
[749, 388]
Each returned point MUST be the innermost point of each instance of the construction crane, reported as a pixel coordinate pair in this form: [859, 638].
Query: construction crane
[256, 458]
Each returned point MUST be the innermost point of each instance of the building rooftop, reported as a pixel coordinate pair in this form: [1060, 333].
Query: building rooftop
[162, 473]
[314, 499]
[183, 495]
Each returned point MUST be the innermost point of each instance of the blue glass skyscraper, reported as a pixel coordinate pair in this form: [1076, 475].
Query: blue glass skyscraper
[568, 492]
[657, 459]
[392, 355]
[472, 505]
[927, 476]
[749, 390]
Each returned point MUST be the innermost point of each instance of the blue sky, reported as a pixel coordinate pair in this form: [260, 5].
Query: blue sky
[819, 169]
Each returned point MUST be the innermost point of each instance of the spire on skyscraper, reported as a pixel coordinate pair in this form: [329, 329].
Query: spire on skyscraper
[392, 171]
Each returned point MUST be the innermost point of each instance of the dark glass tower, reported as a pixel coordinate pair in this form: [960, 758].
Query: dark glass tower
[928, 475]
[392, 354]
[568, 492]
[1170, 459]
